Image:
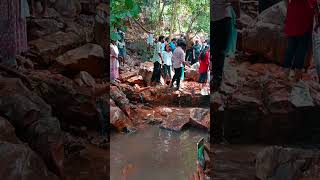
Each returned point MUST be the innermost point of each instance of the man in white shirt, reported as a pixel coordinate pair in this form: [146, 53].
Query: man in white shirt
[178, 60]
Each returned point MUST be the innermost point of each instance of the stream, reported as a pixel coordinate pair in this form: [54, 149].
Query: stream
[154, 153]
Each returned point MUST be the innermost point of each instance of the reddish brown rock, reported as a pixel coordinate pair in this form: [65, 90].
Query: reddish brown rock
[200, 118]
[33, 121]
[89, 58]
[146, 70]
[20, 162]
[47, 48]
[118, 118]
[73, 104]
[120, 100]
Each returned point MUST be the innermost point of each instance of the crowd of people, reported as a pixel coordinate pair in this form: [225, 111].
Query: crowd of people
[168, 56]
[173, 55]
[301, 28]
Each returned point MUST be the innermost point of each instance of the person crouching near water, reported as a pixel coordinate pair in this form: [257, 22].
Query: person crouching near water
[298, 29]
[178, 60]
[204, 60]
[157, 59]
[167, 63]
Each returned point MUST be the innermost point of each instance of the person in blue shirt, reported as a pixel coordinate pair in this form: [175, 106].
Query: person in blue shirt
[173, 44]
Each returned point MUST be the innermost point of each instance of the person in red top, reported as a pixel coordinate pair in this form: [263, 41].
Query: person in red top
[298, 29]
[204, 59]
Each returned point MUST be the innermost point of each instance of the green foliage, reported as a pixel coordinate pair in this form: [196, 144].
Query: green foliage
[193, 16]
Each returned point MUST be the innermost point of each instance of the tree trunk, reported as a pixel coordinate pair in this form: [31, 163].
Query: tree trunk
[173, 20]
[160, 16]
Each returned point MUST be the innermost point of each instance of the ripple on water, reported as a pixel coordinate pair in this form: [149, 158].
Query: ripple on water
[155, 154]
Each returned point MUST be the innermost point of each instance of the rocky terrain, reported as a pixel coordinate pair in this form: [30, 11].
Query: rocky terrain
[259, 107]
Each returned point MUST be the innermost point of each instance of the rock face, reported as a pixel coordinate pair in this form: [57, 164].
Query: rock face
[47, 48]
[43, 27]
[265, 37]
[20, 162]
[287, 163]
[200, 117]
[70, 8]
[89, 58]
[33, 121]
[276, 106]
[118, 118]
[146, 70]
[7, 132]
[72, 105]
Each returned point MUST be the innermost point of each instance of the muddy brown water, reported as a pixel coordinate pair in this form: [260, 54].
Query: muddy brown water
[154, 153]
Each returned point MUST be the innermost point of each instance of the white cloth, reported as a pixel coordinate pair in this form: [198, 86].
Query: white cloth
[178, 58]
[316, 49]
[167, 57]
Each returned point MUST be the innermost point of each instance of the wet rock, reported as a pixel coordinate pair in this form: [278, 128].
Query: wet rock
[89, 58]
[33, 121]
[70, 8]
[175, 121]
[286, 163]
[200, 117]
[118, 118]
[7, 132]
[73, 104]
[46, 49]
[20, 162]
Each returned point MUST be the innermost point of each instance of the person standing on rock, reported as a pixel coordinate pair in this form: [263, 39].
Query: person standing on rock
[298, 29]
[204, 59]
[114, 63]
[167, 63]
[157, 61]
[44, 12]
[221, 26]
[122, 50]
[178, 60]
[13, 30]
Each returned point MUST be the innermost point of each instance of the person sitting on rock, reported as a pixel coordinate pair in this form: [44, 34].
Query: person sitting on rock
[44, 12]
[298, 29]
[178, 60]
[157, 59]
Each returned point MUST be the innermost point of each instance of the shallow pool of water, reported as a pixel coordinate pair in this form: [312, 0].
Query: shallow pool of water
[154, 153]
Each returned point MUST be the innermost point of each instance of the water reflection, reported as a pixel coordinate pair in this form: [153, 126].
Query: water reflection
[155, 154]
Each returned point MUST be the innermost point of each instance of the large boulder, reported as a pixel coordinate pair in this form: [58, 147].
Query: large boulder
[200, 117]
[20, 162]
[46, 49]
[120, 100]
[42, 27]
[33, 121]
[265, 36]
[118, 119]
[71, 8]
[89, 58]
[72, 104]
[146, 70]
[287, 163]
